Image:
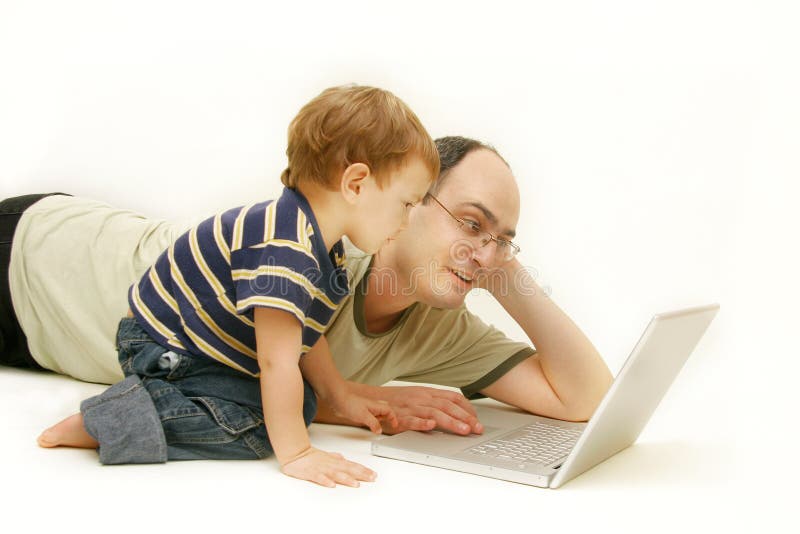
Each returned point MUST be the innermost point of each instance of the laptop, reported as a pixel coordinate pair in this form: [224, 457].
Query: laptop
[539, 451]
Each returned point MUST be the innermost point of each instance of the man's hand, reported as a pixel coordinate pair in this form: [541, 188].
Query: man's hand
[415, 408]
[426, 408]
[374, 414]
[327, 469]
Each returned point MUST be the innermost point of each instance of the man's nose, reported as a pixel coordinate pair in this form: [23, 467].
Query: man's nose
[485, 255]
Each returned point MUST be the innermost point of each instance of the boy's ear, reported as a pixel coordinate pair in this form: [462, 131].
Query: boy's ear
[353, 181]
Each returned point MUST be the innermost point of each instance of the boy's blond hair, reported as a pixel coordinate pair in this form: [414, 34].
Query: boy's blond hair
[354, 124]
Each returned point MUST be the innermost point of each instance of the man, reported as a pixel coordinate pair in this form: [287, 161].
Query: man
[72, 261]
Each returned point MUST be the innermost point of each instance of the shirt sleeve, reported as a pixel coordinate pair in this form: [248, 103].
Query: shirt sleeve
[275, 275]
[472, 391]
[472, 356]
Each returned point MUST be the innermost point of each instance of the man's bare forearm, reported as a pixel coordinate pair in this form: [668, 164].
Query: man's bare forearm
[569, 361]
[325, 414]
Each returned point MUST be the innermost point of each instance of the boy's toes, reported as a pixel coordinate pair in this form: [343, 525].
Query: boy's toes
[47, 439]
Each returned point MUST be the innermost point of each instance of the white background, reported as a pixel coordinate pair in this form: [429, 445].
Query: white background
[656, 148]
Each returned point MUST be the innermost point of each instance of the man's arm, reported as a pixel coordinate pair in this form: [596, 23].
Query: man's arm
[566, 378]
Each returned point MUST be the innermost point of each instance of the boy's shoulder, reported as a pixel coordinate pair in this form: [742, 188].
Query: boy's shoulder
[287, 219]
[293, 218]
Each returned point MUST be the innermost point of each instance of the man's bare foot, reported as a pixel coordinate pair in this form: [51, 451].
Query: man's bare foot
[68, 433]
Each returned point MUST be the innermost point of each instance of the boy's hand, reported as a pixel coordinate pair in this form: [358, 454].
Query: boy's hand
[364, 411]
[327, 469]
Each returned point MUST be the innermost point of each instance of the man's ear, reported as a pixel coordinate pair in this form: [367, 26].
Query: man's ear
[353, 181]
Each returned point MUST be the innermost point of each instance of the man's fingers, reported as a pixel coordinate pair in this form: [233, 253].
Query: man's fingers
[373, 424]
[411, 422]
[461, 401]
[445, 421]
[381, 410]
[451, 403]
[390, 417]
[451, 396]
[449, 410]
[455, 411]
[456, 408]
[457, 414]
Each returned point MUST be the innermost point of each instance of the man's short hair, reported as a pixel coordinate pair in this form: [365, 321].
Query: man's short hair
[354, 124]
[452, 149]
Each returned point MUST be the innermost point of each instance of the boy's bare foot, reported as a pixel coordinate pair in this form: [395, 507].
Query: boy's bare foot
[68, 433]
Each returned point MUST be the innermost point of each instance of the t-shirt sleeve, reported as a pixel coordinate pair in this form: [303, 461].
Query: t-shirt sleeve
[477, 355]
[274, 275]
[472, 390]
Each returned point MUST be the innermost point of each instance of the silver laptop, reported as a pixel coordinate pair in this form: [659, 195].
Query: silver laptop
[544, 452]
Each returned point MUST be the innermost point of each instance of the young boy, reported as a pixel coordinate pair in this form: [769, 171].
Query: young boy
[223, 349]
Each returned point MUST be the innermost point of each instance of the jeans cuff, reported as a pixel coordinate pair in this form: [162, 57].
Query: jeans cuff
[124, 421]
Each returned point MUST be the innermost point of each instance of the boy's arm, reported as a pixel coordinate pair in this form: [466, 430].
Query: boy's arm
[278, 343]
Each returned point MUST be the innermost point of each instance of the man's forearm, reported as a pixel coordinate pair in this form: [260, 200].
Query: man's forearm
[325, 414]
[569, 361]
[318, 368]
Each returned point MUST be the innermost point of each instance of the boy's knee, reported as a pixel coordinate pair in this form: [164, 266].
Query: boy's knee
[124, 421]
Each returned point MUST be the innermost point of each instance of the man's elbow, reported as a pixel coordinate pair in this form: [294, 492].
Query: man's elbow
[582, 409]
[578, 415]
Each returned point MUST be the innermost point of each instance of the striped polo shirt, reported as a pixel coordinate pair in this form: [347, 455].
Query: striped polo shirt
[198, 297]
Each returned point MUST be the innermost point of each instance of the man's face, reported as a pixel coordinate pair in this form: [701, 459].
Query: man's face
[434, 257]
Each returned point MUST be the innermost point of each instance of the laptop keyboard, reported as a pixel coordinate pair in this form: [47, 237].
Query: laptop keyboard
[535, 443]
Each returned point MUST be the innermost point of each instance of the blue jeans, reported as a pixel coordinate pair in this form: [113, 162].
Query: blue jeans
[176, 407]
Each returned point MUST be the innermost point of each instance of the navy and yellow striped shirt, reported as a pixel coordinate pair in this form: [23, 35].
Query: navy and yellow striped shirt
[198, 297]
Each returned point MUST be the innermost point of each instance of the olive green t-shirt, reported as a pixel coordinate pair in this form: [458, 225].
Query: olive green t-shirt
[73, 260]
[430, 345]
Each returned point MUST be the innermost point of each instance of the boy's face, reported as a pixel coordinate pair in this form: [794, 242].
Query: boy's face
[383, 213]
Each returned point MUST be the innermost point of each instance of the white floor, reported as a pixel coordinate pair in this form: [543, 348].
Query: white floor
[677, 478]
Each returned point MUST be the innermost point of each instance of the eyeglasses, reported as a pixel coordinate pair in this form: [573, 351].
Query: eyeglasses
[505, 251]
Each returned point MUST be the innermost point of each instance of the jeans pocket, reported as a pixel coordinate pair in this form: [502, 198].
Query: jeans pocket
[173, 364]
[131, 341]
[231, 417]
[126, 355]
